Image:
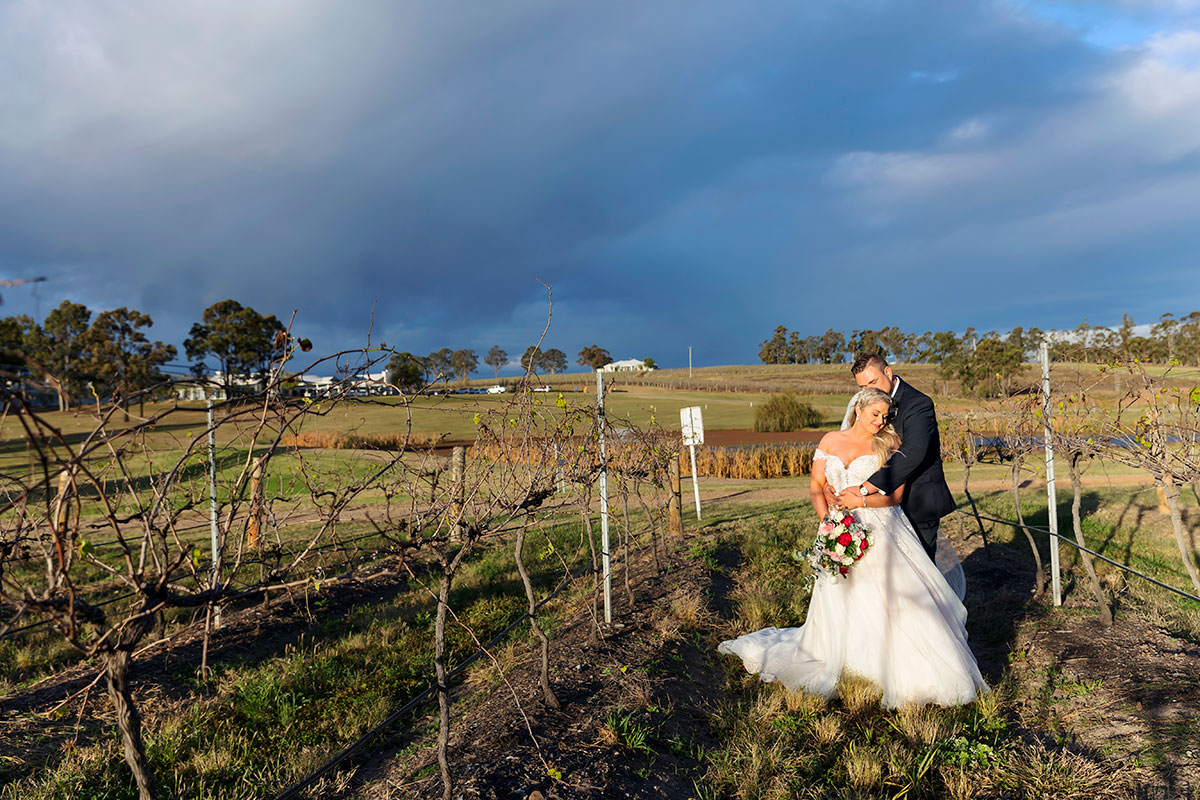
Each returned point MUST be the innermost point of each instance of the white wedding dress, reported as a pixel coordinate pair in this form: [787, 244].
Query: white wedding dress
[894, 620]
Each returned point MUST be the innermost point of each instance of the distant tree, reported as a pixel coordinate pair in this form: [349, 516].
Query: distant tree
[496, 359]
[1124, 338]
[811, 350]
[866, 341]
[994, 365]
[65, 329]
[239, 339]
[439, 365]
[463, 362]
[1188, 339]
[1084, 335]
[775, 349]
[649, 362]
[593, 357]
[554, 361]
[406, 372]
[531, 359]
[894, 342]
[120, 358]
[795, 349]
[832, 345]
[943, 348]
[1165, 330]
[12, 342]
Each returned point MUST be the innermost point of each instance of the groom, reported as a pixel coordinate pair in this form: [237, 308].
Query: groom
[917, 465]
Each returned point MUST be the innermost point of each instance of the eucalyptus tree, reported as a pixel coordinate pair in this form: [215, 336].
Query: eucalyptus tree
[239, 341]
[121, 361]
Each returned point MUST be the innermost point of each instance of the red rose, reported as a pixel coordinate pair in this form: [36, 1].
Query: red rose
[847, 520]
[843, 570]
[865, 544]
[845, 539]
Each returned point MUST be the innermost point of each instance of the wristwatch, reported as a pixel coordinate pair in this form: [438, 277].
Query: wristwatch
[863, 490]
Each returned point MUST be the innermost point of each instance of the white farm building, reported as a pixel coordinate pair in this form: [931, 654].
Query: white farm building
[628, 365]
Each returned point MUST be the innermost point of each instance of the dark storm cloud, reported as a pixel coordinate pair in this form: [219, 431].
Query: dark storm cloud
[682, 173]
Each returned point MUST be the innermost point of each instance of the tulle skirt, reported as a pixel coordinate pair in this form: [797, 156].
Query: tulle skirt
[894, 620]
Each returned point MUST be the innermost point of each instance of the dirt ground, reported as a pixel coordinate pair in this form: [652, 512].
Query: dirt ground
[1128, 697]
[494, 755]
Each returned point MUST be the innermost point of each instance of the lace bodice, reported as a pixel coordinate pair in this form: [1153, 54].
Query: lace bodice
[840, 475]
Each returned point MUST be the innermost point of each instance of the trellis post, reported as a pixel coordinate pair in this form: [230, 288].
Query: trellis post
[1051, 494]
[604, 554]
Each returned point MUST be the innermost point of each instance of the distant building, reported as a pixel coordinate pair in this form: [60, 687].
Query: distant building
[213, 387]
[313, 386]
[628, 365]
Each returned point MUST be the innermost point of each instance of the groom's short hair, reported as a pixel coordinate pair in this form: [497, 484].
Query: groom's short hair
[865, 360]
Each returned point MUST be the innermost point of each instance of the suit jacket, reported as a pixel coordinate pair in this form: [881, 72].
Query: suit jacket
[918, 463]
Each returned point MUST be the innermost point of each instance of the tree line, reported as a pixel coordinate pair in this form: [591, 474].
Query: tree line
[989, 363]
[109, 356]
[409, 372]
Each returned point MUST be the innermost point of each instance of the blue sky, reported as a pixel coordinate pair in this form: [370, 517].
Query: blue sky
[682, 173]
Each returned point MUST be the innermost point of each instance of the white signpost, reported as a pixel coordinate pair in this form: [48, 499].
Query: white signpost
[692, 424]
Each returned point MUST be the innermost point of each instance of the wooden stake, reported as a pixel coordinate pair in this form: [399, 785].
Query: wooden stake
[675, 505]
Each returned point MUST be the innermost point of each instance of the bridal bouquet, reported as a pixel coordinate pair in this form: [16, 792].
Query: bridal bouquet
[841, 541]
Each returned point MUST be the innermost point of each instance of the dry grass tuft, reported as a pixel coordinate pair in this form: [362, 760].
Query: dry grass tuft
[691, 610]
[758, 607]
[636, 690]
[766, 709]
[898, 759]
[756, 768]
[827, 729]
[802, 702]
[921, 725]
[483, 675]
[858, 693]
[864, 768]
[607, 736]
[960, 785]
[1040, 774]
[668, 628]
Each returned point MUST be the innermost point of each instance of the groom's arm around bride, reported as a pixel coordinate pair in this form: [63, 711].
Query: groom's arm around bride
[917, 465]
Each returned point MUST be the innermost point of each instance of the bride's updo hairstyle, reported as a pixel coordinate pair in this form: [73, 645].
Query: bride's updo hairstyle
[886, 441]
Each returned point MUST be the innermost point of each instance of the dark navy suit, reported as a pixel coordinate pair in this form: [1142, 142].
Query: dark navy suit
[917, 465]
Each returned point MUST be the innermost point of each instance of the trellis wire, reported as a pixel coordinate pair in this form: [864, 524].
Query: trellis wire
[334, 547]
[1078, 546]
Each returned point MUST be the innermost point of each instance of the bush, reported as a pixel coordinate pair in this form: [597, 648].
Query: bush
[785, 412]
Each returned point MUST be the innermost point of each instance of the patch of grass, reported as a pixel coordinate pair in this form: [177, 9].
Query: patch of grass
[778, 743]
[628, 730]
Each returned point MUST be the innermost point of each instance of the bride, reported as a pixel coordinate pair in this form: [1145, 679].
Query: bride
[894, 619]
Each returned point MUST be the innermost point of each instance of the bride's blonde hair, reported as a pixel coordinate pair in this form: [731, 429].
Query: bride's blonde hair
[885, 441]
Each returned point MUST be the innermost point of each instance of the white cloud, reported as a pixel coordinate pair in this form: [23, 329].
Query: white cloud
[1108, 147]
